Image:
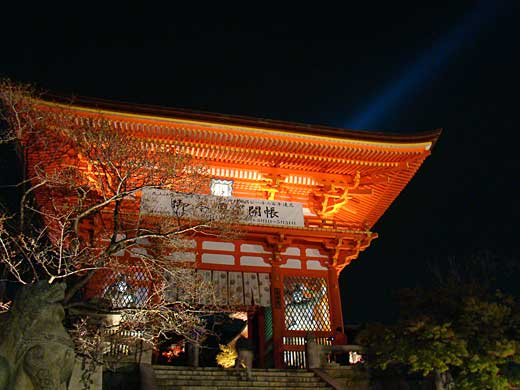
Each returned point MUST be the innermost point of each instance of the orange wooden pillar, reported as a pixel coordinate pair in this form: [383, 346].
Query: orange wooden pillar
[336, 315]
[278, 313]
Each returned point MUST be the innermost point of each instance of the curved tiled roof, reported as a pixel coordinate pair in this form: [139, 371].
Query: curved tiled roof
[309, 157]
[162, 113]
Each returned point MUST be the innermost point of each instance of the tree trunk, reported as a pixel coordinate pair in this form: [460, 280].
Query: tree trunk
[443, 380]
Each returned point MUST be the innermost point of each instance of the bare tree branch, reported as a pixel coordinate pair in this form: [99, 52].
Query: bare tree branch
[81, 210]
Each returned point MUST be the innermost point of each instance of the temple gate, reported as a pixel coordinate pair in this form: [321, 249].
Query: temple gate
[311, 194]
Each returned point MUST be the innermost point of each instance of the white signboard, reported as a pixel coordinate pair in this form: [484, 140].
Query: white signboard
[273, 212]
[255, 211]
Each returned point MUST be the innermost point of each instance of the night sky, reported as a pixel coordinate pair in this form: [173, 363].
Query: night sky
[380, 66]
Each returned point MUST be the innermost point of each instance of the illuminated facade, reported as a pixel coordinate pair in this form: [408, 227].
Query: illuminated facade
[312, 194]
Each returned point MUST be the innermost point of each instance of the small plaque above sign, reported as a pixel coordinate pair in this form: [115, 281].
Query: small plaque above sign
[254, 211]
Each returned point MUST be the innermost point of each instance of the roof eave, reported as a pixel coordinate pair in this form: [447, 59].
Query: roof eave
[236, 120]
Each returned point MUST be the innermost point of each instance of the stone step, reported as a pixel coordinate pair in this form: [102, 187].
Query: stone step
[186, 378]
[259, 374]
[218, 374]
[216, 387]
[235, 382]
[202, 370]
[259, 378]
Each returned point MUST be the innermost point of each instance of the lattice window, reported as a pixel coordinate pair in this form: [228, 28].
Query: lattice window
[268, 323]
[306, 303]
[128, 288]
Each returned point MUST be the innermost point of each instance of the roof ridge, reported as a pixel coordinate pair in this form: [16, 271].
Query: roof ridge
[239, 120]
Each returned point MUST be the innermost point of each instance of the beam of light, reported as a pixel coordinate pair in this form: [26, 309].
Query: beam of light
[425, 67]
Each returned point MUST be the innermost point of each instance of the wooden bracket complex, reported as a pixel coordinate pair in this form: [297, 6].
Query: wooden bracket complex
[273, 185]
[343, 251]
[331, 198]
[278, 244]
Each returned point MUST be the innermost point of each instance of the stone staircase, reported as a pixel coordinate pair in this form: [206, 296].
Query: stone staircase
[187, 378]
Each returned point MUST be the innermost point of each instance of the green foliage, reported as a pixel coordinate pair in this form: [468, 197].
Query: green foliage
[463, 331]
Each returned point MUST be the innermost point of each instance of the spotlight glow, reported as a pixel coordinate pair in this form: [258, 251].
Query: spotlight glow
[425, 68]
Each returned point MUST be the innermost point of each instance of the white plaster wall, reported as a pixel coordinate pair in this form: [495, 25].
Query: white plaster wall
[313, 252]
[188, 243]
[253, 261]
[213, 258]
[292, 251]
[252, 248]
[182, 256]
[292, 263]
[136, 251]
[218, 246]
[315, 265]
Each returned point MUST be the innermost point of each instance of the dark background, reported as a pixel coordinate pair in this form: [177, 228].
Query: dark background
[388, 66]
